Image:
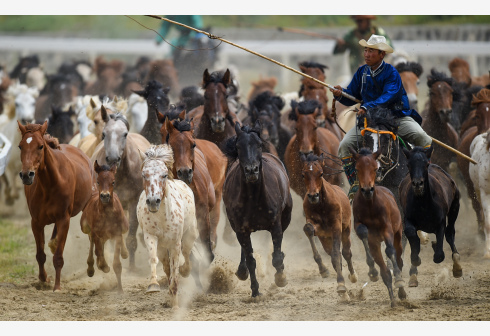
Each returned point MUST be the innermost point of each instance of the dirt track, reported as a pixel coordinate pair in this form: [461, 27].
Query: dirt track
[307, 297]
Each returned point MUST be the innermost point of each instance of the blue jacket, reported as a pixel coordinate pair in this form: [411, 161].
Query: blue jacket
[388, 93]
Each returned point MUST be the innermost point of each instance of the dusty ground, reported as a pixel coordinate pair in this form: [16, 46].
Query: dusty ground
[307, 297]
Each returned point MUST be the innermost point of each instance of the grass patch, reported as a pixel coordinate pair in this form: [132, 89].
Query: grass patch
[17, 252]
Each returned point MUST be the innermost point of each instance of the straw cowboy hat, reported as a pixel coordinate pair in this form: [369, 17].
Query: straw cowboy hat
[376, 42]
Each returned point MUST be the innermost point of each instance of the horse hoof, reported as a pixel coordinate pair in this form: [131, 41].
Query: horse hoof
[344, 297]
[341, 288]
[184, 271]
[438, 258]
[413, 282]
[242, 274]
[393, 304]
[280, 279]
[153, 288]
[373, 276]
[402, 295]
[353, 277]
[106, 269]
[124, 254]
[325, 273]
[256, 295]
[90, 272]
[400, 283]
[457, 273]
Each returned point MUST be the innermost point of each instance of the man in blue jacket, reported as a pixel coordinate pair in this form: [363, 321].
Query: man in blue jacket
[378, 84]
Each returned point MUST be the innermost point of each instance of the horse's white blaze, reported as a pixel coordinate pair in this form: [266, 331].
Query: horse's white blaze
[29, 139]
[486, 108]
[311, 168]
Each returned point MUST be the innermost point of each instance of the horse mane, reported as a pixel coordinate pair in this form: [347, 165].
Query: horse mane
[312, 158]
[266, 98]
[215, 77]
[182, 125]
[308, 64]
[175, 110]
[229, 146]
[414, 67]
[365, 151]
[458, 63]
[105, 168]
[305, 107]
[436, 76]
[161, 153]
[483, 96]
[152, 85]
[50, 141]
[119, 116]
[380, 116]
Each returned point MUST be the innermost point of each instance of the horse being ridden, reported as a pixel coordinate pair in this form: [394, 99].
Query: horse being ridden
[103, 219]
[58, 183]
[167, 216]
[257, 197]
[377, 219]
[328, 216]
[429, 196]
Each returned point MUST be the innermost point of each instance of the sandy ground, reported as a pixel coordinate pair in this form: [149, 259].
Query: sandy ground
[307, 296]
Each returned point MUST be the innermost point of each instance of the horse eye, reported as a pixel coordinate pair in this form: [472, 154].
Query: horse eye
[164, 176]
[97, 182]
[96, 122]
[20, 147]
[125, 135]
[193, 145]
[302, 175]
[113, 182]
[103, 136]
[321, 175]
[41, 147]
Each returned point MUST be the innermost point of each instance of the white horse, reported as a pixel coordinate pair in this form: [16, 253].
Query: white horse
[83, 121]
[23, 99]
[480, 176]
[172, 230]
[137, 112]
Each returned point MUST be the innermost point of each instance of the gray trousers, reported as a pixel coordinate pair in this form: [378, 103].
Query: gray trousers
[408, 130]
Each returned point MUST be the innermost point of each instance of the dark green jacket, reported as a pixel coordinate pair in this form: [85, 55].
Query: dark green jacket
[185, 34]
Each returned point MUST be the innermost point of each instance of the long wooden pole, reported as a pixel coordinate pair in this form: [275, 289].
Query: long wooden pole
[296, 71]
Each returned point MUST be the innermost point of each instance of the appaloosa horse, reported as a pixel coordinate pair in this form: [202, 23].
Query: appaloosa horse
[103, 219]
[257, 197]
[310, 139]
[377, 219]
[328, 216]
[429, 198]
[167, 216]
[121, 148]
[58, 183]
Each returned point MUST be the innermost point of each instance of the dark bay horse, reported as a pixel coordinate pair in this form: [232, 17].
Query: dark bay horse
[60, 124]
[109, 77]
[309, 139]
[164, 72]
[429, 197]
[58, 183]
[377, 219]
[103, 219]
[122, 148]
[157, 100]
[257, 197]
[58, 91]
[328, 216]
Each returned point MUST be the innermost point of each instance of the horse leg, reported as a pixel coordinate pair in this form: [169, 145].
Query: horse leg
[414, 240]
[53, 243]
[375, 249]
[188, 240]
[195, 270]
[362, 233]
[278, 255]
[124, 249]
[62, 227]
[116, 263]
[399, 262]
[99, 253]
[174, 254]
[437, 246]
[9, 200]
[40, 255]
[131, 241]
[204, 223]
[242, 271]
[309, 230]
[90, 259]
[450, 235]
[332, 247]
[476, 206]
[214, 217]
[484, 196]
[347, 254]
[152, 246]
[247, 250]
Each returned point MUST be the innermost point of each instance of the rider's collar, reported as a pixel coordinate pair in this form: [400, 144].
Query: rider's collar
[378, 70]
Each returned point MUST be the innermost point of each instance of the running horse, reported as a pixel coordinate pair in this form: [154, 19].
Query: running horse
[58, 183]
[410, 73]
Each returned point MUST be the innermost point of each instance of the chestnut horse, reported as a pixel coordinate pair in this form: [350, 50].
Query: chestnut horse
[257, 197]
[58, 183]
[377, 219]
[429, 198]
[436, 124]
[103, 219]
[309, 139]
[328, 216]
[410, 73]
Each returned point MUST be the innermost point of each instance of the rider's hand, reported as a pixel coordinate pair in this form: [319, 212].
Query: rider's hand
[361, 112]
[338, 90]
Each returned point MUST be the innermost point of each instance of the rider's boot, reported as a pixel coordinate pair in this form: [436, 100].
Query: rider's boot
[350, 171]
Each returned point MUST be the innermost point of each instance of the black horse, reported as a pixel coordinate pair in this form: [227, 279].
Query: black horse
[257, 197]
[429, 196]
[157, 100]
[60, 124]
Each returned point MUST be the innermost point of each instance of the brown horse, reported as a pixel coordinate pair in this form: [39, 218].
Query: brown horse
[410, 73]
[260, 86]
[328, 216]
[164, 72]
[58, 182]
[109, 77]
[214, 121]
[58, 91]
[103, 219]
[309, 139]
[190, 167]
[377, 219]
[436, 124]
[482, 120]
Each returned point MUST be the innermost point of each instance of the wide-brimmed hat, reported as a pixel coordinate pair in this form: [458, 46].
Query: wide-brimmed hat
[360, 17]
[377, 42]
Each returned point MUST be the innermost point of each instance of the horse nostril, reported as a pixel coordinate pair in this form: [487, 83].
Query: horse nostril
[158, 201]
[256, 169]
[372, 189]
[31, 174]
[147, 201]
[20, 174]
[190, 171]
[107, 159]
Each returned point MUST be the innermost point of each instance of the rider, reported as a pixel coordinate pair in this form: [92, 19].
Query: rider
[186, 37]
[363, 30]
[378, 84]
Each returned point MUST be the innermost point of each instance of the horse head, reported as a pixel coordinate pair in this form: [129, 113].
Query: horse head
[114, 135]
[106, 179]
[312, 174]
[441, 95]
[367, 167]
[156, 170]
[60, 124]
[315, 70]
[216, 109]
[418, 167]
[410, 73]
[267, 107]
[314, 91]
[156, 95]
[305, 114]
[482, 113]
[25, 102]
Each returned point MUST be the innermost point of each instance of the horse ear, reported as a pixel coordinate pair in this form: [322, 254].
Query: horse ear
[205, 76]
[22, 128]
[142, 155]
[104, 114]
[115, 99]
[238, 129]
[258, 126]
[192, 125]
[96, 167]
[302, 157]
[406, 152]
[44, 127]
[182, 115]
[168, 126]
[139, 93]
[92, 103]
[428, 152]
[161, 117]
[227, 77]
[166, 90]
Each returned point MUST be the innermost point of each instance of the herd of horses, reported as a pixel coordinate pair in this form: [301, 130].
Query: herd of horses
[128, 147]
